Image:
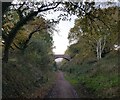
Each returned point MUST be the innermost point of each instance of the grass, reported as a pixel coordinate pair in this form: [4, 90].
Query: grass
[101, 77]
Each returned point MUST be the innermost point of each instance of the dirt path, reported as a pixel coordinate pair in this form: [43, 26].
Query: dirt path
[62, 88]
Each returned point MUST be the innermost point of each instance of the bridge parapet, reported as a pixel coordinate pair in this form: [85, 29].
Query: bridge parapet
[67, 57]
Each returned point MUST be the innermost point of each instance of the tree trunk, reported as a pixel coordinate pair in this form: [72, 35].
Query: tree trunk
[6, 53]
[97, 50]
[100, 48]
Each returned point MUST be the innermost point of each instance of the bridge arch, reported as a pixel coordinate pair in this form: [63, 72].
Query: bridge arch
[67, 57]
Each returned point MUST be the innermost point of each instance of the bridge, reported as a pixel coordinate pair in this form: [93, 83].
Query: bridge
[67, 57]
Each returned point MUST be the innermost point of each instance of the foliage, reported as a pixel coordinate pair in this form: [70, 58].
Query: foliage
[97, 33]
[28, 70]
[24, 15]
[100, 78]
[31, 68]
[26, 11]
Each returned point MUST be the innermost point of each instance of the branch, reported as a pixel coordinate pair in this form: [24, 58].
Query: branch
[104, 42]
[23, 21]
[95, 24]
[101, 21]
[4, 36]
[17, 46]
[29, 37]
[12, 48]
[41, 10]
[91, 30]
[19, 11]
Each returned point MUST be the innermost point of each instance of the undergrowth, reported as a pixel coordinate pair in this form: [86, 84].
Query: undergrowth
[100, 77]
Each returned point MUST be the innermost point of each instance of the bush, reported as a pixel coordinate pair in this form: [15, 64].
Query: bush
[27, 70]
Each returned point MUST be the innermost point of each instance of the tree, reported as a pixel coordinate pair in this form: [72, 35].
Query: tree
[97, 30]
[28, 10]
[25, 16]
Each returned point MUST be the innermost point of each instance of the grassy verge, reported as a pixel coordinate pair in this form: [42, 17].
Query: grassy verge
[100, 78]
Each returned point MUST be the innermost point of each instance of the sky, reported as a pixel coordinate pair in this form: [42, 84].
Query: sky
[60, 38]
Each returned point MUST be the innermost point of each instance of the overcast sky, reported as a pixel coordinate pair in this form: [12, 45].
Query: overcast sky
[60, 38]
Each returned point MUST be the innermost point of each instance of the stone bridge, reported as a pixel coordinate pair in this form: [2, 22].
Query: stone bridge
[67, 57]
